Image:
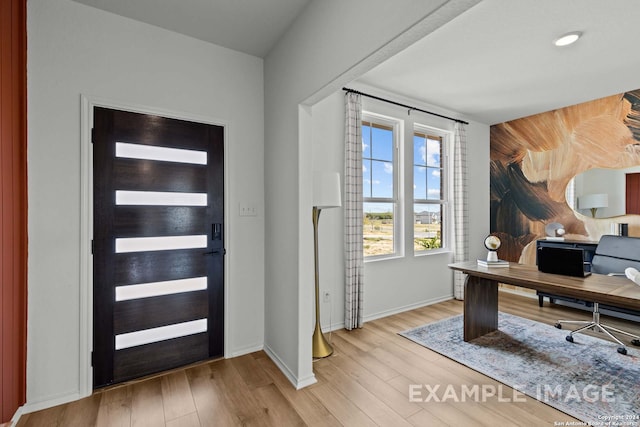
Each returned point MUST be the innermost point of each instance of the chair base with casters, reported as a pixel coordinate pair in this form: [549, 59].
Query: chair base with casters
[595, 325]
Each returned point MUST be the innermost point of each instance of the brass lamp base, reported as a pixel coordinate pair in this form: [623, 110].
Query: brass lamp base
[321, 347]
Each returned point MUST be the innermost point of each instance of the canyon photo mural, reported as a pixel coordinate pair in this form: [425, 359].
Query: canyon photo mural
[535, 158]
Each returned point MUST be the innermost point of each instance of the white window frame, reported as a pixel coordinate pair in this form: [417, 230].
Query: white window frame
[397, 199]
[446, 196]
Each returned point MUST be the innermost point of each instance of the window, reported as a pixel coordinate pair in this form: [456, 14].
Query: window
[429, 195]
[380, 189]
[401, 218]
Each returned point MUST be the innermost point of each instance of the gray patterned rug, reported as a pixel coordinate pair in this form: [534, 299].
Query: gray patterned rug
[587, 379]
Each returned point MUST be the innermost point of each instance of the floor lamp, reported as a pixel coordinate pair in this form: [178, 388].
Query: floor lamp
[326, 194]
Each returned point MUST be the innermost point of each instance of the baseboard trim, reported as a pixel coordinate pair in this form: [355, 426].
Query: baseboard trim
[297, 383]
[27, 408]
[305, 382]
[332, 327]
[245, 350]
[402, 309]
[15, 418]
[379, 315]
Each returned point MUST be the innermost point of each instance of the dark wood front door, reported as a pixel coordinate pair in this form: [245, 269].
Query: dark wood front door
[158, 249]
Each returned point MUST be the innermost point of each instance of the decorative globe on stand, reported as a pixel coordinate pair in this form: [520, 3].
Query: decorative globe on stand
[492, 243]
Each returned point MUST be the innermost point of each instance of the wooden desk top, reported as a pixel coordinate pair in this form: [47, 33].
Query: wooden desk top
[613, 290]
[579, 242]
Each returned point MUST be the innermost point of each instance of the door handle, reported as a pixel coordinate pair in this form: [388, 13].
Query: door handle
[216, 252]
[216, 231]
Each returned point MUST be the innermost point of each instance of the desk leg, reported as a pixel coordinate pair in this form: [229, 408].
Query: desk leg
[480, 307]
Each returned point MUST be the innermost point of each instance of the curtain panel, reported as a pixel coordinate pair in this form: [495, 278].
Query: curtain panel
[460, 207]
[353, 216]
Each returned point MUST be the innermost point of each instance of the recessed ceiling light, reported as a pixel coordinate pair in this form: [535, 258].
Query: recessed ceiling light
[567, 39]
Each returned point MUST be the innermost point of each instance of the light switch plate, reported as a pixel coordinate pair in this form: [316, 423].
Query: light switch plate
[248, 209]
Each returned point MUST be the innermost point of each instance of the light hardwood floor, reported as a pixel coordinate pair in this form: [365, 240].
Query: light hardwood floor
[364, 383]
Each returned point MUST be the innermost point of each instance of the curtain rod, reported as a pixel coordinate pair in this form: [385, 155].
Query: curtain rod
[346, 89]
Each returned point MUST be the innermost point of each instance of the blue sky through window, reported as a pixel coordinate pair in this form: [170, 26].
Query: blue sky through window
[377, 164]
[427, 167]
[382, 144]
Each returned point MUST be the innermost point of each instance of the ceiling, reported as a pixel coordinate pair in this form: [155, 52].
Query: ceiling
[494, 63]
[497, 61]
[250, 26]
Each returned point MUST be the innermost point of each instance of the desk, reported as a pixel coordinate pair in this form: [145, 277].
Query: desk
[481, 291]
[589, 248]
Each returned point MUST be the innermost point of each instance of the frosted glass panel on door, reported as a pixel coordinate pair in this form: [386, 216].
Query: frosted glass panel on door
[152, 152]
[154, 289]
[160, 198]
[162, 333]
[141, 244]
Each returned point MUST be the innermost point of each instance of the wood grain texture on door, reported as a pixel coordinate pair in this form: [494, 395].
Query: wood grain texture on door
[158, 201]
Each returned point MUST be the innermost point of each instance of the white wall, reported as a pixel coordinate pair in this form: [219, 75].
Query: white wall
[331, 43]
[73, 50]
[478, 184]
[399, 284]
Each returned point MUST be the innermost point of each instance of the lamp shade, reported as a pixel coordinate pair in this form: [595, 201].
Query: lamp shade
[326, 189]
[589, 201]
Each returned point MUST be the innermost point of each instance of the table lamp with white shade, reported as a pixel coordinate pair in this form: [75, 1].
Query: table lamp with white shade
[593, 202]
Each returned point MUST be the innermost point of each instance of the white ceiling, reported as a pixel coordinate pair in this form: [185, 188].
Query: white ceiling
[494, 63]
[250, 26]
[497, 62]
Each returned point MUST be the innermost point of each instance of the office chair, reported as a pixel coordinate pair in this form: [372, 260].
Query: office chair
[612, 256]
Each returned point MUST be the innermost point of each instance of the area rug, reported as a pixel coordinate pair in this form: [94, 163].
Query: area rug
[587, 379]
